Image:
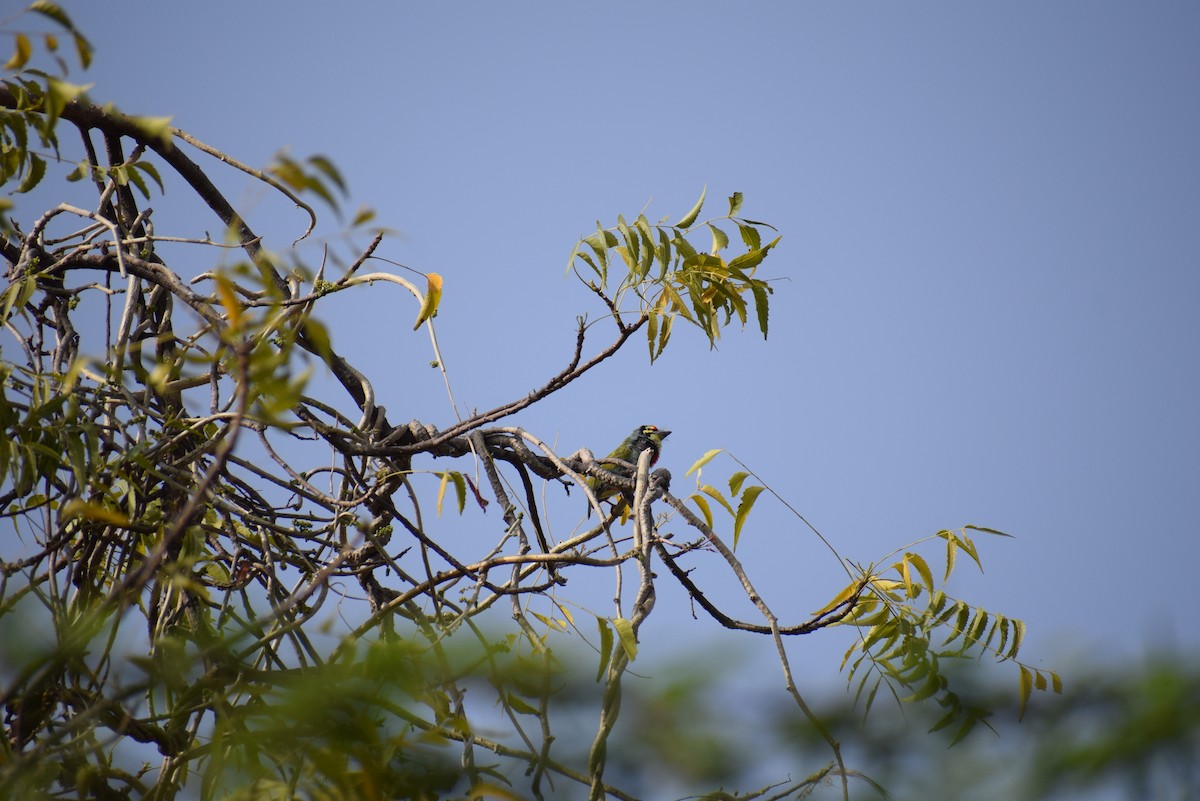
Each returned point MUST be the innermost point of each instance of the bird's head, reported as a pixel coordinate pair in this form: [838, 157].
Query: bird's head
[646, 438]
[652, 433]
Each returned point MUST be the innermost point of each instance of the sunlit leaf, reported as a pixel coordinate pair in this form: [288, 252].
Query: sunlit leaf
[689, 218]
[1025, 689]
[988, 531]
[705, 509]
[842, 597]
[154, 127]
[735, 204]
[93, 511]
[433, 296]
[703, 460]
[720, 240]
[750, 236]
[228, 298]
[716, 495]
[748, 498]
[22, 50]
[625, 634]
[606, 646]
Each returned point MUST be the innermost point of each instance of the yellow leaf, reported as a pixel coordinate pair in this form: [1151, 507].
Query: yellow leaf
[1026, 687]
[442, 492]
[21, 55]
[93, 511]
[838, 599]
[229, 300]
[433, 296]
[703, 460]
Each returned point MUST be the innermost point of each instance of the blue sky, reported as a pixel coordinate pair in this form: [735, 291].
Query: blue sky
[990, 262]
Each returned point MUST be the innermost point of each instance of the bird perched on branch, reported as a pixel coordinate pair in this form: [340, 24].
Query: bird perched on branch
[643, 438]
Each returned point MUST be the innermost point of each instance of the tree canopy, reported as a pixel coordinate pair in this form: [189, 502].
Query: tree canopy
[229, 576]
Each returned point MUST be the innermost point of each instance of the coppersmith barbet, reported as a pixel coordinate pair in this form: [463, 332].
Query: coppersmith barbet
[643, 438]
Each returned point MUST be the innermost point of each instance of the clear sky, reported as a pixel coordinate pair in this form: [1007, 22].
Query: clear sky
[989, 271]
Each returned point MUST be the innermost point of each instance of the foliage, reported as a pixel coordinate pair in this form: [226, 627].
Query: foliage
[1123, 730]
[190, 506]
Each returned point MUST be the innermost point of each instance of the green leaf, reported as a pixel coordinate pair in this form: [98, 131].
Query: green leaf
[318, 336]
[52, 11]
[58, 95]
[960, 623]
[664, 333]
[965, 729]
[750, 236]
[922, 569]
[735, 203]
[689, 218]
[1018, 635]
[325, 166]
[978, 625]
[1025, 689]
[760, 293]
[748, 498]
[626, 636]
[720, 239]
[663, 251]
[736, 481]
[703, 460]
[154, 127]
[651, 332]
[951, 553]
[988, 531]
[752, 258]
[606, 646]
[519, 706]
[36, 171]
[83, 49]
[364, 215]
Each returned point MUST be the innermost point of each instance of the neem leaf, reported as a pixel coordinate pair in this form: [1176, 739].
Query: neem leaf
[719, 239]
[735, 203]
[37, 169]
[154, 127]
[21, 53]
[703, 460]
[748, 498]
[606, 644]
[433, 296]
[625, 634]
[1024, 689]
[93, 511]
[691, 216]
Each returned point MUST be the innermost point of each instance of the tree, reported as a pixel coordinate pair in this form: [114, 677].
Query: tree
[185, 497]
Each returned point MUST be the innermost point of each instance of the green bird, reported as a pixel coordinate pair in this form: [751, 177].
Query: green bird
[643, 438]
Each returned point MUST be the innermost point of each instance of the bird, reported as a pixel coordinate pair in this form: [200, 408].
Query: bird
[642, 438]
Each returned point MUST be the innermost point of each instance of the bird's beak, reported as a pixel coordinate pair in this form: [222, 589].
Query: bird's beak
[663, 434]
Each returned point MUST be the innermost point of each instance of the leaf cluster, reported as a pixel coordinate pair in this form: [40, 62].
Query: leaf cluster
[908, 627]
[672, 277]
[248, 572]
